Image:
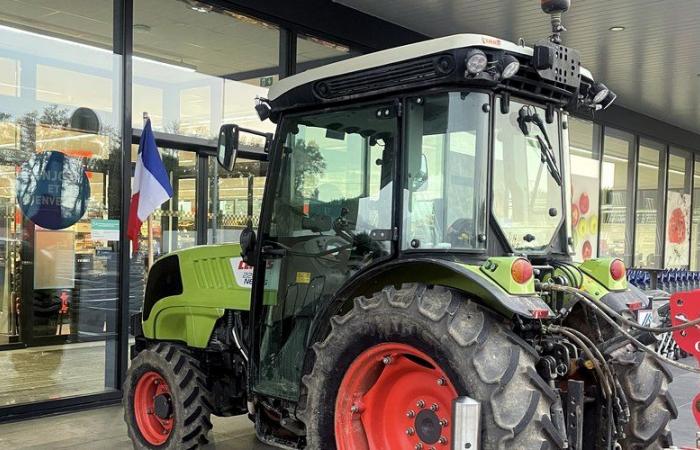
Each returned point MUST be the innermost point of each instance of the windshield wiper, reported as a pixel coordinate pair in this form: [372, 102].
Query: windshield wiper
[548, 158]
[528, 114]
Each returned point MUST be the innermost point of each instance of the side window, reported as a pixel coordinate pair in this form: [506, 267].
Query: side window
[444, 202]
[331, 178]
[235, 198]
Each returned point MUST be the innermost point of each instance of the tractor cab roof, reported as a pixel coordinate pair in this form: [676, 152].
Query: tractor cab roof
[432, 63]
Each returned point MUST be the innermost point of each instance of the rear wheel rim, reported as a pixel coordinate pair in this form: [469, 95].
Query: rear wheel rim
[154, 428]
[393, 396]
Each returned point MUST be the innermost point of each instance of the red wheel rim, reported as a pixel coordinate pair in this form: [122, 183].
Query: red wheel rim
[393, 396]
[154, 428]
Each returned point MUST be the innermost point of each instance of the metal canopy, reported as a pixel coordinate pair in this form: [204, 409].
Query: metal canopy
[653, 64]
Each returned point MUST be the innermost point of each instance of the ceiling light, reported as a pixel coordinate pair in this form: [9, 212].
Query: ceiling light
[196, 5]
[170, 65]
[617, 28]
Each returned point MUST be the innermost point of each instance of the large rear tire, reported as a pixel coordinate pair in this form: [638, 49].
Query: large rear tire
[645, 382]
[476, 353]
[166, 403]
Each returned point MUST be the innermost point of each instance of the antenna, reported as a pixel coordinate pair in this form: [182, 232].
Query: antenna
[555, 8]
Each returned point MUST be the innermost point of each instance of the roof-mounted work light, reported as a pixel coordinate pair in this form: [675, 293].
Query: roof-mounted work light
[510, 65]
[262, 107]
[476, 61]
[600, 91]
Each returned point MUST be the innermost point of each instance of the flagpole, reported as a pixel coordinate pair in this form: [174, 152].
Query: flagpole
[149, 222]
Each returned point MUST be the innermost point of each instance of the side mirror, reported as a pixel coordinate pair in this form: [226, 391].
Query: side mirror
[230, 143]
[228, 146]
[248, 241]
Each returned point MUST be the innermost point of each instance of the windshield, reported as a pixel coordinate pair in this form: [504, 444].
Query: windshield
[445, 187]
[527, 194]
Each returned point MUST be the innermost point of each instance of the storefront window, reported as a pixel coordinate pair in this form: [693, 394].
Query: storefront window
[678, 202]
[235, 198]
[584, 150]
[695, 241]
[650, 201]
[60, 159]
[194, 69]
[615, 196]
[314, 52]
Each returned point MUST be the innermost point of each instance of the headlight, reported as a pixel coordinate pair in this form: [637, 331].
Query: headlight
[511, 65]
[476, 61]
[601, 91]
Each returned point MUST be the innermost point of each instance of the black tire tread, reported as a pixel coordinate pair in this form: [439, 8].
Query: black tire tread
[645, 382]
[188, 386]
[516, 402]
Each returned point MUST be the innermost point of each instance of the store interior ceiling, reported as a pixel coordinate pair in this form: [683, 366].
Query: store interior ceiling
[653, 63]
[179, 32]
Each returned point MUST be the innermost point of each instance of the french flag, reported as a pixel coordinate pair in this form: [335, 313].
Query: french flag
[151, 186]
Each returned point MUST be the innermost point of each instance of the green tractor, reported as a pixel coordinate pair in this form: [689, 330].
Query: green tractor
[410, 285]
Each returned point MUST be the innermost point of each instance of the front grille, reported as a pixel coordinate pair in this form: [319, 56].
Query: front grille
[213, 273]
[400, 74]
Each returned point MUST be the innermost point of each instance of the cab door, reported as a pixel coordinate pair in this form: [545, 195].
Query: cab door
[330, 216]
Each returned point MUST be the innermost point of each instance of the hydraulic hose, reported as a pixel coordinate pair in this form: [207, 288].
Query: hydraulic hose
[596, 306]
[626, 321]
[604, 380]
[615, 387]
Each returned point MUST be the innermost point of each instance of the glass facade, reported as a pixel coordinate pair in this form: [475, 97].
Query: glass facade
[650, 187]
[64, 170]
[649, 198]
[194, 70]
[60, 125]
[616, 198]
[584, 151]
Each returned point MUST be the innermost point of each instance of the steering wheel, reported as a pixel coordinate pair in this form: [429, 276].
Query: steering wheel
[460, 232]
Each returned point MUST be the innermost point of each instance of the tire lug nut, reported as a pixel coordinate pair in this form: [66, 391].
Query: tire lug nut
[387, 360]
[420, 404]
[434, 407]
[441, 382]
[410, 431]
[443, 423]
[410, 414]
[442, 440]
[419, 446]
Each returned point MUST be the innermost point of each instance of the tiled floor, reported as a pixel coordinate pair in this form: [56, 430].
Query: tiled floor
[104, 428]
[42, 373]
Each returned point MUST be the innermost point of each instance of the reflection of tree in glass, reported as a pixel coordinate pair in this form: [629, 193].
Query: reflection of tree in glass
[308, 162]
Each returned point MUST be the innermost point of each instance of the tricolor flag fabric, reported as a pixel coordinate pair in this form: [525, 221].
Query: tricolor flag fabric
[151, 186]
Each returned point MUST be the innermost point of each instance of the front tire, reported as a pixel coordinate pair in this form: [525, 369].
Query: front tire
[165, 400]
[477, 354]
